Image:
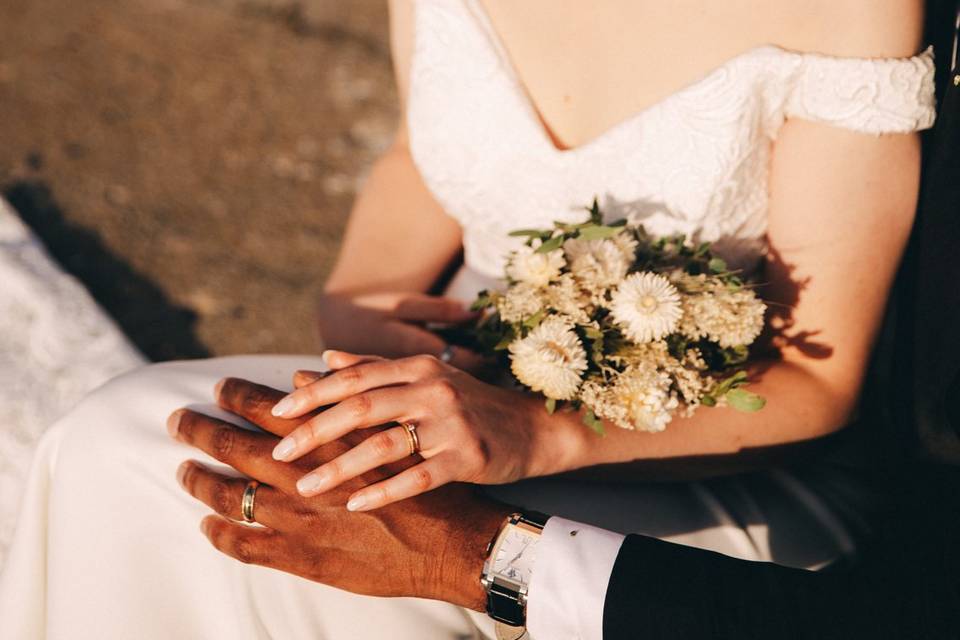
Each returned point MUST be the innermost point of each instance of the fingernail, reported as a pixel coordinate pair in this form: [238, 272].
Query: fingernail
[284, 407]
[356, 503]
[205, 527]
[284, 449]
[325, 356]
[218, 388]
[182, 473]
[311, 483]
[173, 423]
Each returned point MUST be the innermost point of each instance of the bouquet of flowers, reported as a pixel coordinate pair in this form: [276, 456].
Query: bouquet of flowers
[633, 328]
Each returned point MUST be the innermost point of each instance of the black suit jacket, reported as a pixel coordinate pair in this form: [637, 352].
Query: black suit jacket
[906, 583]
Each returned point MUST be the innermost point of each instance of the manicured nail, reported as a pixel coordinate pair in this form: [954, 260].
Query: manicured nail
[218, 389]
[325, 356]
[173, 423]
[284, 449]
[311, 483]
[182, 473]
[356, 503]
[284, 407]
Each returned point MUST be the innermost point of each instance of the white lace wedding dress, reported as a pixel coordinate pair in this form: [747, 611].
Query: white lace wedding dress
[108, 546]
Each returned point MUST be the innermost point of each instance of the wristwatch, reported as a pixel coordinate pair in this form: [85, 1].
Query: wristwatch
[509, 565]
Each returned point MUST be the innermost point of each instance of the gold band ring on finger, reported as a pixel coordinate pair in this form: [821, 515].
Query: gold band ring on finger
[247, 502]
[412, 438]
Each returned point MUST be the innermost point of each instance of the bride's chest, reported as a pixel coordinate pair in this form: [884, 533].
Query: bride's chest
[694, 162]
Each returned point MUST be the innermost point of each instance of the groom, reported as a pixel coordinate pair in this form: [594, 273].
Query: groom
[588, 583]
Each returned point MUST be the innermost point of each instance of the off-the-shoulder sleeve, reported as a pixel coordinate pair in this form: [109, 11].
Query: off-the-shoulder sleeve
[883, 95]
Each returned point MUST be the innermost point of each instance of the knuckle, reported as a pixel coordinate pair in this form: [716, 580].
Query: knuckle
[190, 478]
[244, 550]
[381, 495]
[352, 377]
[309, 518]
[444, 390]
[359, 406]
[425, 364]
[253, 401]
[224, 439]
[421, 478]
[221, 497]
[383, 444]
[335, 469]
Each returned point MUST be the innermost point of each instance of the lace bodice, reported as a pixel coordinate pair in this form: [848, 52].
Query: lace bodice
[695, 162]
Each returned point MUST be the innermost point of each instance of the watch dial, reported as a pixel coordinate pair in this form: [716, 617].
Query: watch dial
[514, 557]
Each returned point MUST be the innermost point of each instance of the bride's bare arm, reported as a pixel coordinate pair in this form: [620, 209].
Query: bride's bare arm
[398, 241]
[841, 208]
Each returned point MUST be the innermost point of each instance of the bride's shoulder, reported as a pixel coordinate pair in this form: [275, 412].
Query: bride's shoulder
[855, 28]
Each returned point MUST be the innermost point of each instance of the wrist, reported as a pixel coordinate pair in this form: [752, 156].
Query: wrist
[558, 440]
[462, 559]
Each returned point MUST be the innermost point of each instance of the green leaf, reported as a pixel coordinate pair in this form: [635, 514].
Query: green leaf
[550, 245]
[593, 333]
[551, 405]
[743, 400]
[591, 420]
[504, 342]
[483, 301]
[717, 265]
[708, 401]
[598, 232]
[534, 321]
[531, 233]
[595, 216]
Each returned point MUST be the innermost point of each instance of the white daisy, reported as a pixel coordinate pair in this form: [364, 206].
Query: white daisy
[537, 269]
[550, 360]
[646, 306]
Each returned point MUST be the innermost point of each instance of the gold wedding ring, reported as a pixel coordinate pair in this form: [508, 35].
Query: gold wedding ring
[246, 503]
[413, 440]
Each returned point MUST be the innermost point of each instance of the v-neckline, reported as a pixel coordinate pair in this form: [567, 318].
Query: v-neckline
[544, 133]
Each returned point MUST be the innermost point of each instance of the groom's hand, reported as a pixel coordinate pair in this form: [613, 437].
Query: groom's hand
[431, 546]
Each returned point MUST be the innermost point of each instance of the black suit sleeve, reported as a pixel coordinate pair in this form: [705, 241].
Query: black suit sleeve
[907, 585]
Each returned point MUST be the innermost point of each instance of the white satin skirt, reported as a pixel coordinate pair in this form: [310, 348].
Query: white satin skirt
[108, 546]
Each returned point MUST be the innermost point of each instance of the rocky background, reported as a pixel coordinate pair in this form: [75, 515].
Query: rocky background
[193, 161]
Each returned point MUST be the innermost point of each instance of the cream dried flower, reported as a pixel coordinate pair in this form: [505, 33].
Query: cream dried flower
[520, 301]
[728, 317]
[566, 298]
[646, 306]
[536, 269]
[638, 398]
[598, 264]
[550, 359]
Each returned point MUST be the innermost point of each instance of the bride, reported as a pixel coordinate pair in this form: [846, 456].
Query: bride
[782, 132]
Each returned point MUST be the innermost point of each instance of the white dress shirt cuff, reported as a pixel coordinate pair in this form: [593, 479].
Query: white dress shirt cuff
[569, 582]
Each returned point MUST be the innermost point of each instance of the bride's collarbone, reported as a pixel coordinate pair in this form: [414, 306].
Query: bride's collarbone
[587, 67]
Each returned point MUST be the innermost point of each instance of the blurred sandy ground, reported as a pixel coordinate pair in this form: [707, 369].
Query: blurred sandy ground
[193, 161]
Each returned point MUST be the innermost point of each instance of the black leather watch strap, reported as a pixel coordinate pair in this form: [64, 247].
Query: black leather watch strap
[503, 605]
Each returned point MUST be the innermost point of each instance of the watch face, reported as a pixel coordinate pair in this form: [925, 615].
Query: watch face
[514, 556]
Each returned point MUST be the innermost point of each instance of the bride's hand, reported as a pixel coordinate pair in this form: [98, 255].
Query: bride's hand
[468, 431]
[394, 324]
